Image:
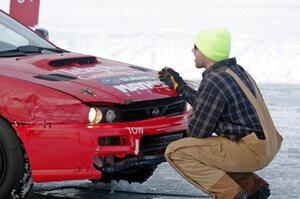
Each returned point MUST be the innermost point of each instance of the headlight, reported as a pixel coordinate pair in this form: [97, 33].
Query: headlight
[95, 115]
[110, 115]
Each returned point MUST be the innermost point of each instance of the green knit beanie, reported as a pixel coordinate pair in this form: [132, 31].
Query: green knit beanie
[214, 43]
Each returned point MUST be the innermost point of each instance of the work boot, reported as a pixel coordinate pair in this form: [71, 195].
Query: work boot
[254, 186]
[263, 193]
[241, 195]
[226, 188]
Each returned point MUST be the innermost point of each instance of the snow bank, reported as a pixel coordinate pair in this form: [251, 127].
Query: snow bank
[155, 33]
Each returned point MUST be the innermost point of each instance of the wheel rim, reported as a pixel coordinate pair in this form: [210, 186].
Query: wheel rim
[2, 164]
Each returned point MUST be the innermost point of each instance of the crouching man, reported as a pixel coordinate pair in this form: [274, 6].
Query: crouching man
[231, 133]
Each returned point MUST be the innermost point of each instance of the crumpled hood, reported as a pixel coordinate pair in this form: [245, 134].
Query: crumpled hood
[88, 78]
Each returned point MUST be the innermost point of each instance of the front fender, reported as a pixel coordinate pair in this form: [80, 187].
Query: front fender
[23, 102]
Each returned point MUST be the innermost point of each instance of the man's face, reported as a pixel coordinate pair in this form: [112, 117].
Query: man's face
[200, 59]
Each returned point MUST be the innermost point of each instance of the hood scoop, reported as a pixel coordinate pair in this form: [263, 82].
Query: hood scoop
[55, 77]
[78, 61]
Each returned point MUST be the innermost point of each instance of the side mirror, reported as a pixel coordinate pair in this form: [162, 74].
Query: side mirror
[42, 33]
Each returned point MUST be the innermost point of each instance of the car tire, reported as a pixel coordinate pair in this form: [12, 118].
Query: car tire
[15, 174]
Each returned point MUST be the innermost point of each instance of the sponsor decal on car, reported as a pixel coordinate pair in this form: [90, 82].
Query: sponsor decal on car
[123, 80]
[98, 71]
[131, 83]
[137, 86]
[127, 79]
[135, 130]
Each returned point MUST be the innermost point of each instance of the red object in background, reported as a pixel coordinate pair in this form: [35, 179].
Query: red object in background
[26, 11]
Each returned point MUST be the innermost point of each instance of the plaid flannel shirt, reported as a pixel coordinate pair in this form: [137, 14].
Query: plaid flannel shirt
[220, 106]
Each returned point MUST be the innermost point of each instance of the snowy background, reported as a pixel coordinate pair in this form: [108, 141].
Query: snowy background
[156, 33]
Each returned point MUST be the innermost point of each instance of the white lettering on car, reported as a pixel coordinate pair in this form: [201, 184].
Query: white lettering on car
[136, 78]
[97, 71]
[136, 86]
[135, 130]
[22, 1]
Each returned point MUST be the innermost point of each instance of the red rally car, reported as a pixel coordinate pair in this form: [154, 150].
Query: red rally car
[68, 116]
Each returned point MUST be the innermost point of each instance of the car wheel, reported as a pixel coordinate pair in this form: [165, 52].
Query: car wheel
[15, 174]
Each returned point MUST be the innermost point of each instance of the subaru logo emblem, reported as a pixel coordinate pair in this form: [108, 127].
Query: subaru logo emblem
[155, 112]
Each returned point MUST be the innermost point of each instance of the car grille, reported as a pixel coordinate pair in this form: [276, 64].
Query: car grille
[150, 109]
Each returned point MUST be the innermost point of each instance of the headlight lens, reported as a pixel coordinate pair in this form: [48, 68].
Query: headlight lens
[110, 115]
[95, 115]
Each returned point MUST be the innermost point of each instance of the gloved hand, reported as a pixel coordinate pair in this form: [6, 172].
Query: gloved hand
[171, 78]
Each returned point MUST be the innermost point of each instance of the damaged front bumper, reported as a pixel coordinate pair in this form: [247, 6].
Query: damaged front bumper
[150, 153]
[82, 151]
[146, 161]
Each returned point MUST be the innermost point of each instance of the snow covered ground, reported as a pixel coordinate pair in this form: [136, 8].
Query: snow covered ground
[155, 33]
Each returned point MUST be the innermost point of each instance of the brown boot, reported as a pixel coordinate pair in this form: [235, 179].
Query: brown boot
[255, 186]
[263, 193]
[226, 188]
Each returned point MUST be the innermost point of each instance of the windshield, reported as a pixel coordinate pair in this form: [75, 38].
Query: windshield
[13, 35]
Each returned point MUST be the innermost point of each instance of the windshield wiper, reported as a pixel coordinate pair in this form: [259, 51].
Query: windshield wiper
[23, 50]
[38, 49]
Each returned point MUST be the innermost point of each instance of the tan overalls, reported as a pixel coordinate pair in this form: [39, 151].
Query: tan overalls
[212, 163]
